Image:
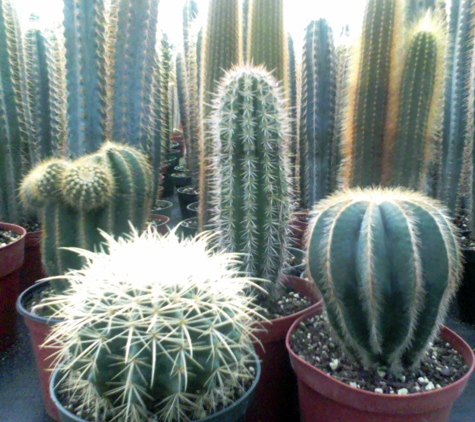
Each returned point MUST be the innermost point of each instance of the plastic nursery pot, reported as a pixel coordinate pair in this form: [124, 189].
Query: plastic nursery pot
[163, 207]
[168, 187]
[160, 222]
[176, 147]
[188, 227]
[466, 292]
[32, 269]
[299, 226]
[324, 398]
[181, 180]
[186, 198]
[193, 209]
[173, 156]
[298, 256]
[236, 412]
[276, 394]
[11, 260]
[39, 328]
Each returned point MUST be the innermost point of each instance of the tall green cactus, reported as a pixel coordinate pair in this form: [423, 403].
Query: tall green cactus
[173, 349]
[221, 50]
[456, 181]
[293, 112]
[250, 180]
[372, 88]
[415, 116]
[317, 116]
[106, 190]
[387, 263]
[267, 40]
[166, 70]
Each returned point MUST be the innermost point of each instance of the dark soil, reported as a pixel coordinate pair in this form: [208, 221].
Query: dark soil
[313, 342]
[189, 190]
[157, 222]
[31, 226]
[288, 303]
[161, 205]
[38, 298]
[191, 223]
[180, 174]
[7, 237]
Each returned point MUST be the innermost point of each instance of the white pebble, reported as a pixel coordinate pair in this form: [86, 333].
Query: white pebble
[422, 380]
[354, 384]
[429, 387]
[334, 364]
[381, 373]
[402, 391]
[417, 388]
[378, 390]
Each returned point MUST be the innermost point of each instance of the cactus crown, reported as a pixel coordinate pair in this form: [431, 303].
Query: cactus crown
[142, 344]
[387, 262]
[250, 183]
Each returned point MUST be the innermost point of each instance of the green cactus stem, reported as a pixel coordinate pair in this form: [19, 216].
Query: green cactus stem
[250, 178]
[317, 116]
[387, 262]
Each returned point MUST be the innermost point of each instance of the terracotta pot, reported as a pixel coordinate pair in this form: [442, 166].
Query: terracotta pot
[11, 260]
[235, 412]
[32, 269]
[39, 328]
[324, 398]
[276, 394]
[299, 227]
[161, 223]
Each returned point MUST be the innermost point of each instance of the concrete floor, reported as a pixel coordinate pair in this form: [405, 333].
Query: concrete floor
[20, 394]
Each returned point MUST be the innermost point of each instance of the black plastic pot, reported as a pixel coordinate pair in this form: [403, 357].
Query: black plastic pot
[163, 207]
[233, 413]
[185, 231]
[173, 156]
[185, 199]
[181, 180]
[168, 186]
[193, 209]
[466, 292]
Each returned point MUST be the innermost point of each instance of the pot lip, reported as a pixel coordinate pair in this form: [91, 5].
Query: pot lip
[163, 200]
[180, 190]
[24, 296]
[161, 217]
[15, 228]
[249, 391]
[195, 206]
[384, 396]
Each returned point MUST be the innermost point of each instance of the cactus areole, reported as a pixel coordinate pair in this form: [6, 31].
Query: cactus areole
[387, 263]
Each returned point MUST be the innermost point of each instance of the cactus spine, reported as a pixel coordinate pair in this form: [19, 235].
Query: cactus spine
[456, 182]
[106, 190]
[420, 103]
[251, 202]
[387, 263]
[221, 50]
[372, 87]
[170, 349]
[317, 116]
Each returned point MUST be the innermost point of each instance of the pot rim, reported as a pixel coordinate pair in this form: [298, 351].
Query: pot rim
[15, 228]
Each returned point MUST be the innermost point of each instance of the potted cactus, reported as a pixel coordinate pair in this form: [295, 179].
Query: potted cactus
[387, 262]
[168, 345]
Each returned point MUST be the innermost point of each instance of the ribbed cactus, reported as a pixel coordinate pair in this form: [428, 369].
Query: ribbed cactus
[387, 263]
[317, 115]
[456, 181]
[166, 75]
[250, 175]
[372, 87]
[417, 8]
[174, 345]
[221, 50]
[267, 39]
[108, 190]
[413, 119]
[293, 112]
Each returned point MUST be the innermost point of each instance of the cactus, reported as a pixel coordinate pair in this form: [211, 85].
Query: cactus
[221, 50]
[166, 70]
[372, 87]
[456, 181]
[108, 190]
[420, 103]
[293, 99]
[317, 116]
[267, 39]
[417, 8]
[387, 262]
[250, 175]
[173, 349]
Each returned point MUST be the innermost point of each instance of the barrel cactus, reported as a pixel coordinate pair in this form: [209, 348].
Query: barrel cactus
[172, 345]
[387, 262]
[108, 190]
[250, 178]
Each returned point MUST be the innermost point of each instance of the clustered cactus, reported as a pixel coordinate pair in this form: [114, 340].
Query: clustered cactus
[137, 344]
[387, 262]
[250, 177]
[108, 190]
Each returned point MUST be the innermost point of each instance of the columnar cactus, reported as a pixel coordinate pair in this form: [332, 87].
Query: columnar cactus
[221, 50]
[250, 180]
[166, 71]
[317, 115]
[173, 345]
[456, 181]
[293, 112]
[108, 190]
[414, 117]
[372, 89]
[387, 262]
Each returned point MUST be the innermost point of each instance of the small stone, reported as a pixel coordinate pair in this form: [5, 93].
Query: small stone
[402, 391]
[381, 373]
[429, 386]
[446, 371]
[417, 388]
[354, 384]
[378, 390]
[334, 364]
[438, 386]
[422, 380]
